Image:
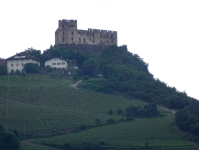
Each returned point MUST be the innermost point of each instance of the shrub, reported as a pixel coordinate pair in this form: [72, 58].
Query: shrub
[86, 77]
[82, 127]
[31, 68]
[120, 112]
[49, 69]
[98, 122]
[75, 76]
[110, 121]
[12, 71]
[17, 72]
[110, 112]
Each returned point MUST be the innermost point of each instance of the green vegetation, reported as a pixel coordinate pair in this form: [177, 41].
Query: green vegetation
[31, 68]
[3, 70]
[157, 132]
[8, 141]
[49, 106]
[97, 114]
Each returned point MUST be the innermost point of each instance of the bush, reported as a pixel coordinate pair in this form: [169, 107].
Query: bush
[75, 76]
[49, 69]
[98, 122]
[12, 71]
[86, 77]
[110, 121]
[31, 68]
[110, 112]
[3, 70]
[17, 72]
[82, 127]
[120, 112]
[8, 141]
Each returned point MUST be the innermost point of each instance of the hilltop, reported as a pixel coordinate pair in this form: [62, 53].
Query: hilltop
[115, 106]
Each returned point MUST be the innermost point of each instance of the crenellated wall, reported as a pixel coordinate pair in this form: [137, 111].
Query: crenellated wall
[67, 33]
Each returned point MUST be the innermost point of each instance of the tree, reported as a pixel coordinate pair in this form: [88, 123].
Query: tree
[3, 70]
[8, 141]
[31, 68]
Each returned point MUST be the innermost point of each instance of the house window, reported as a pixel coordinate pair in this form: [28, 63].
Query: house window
[63, 33]
[53, 63]
[63, 63]
[63, 27]
[22, 64]
[80, 39]
[63, 39]
[58, 63]
[84, 40]
[17, 64]
[11, 65]
[72, 39]
[101, 41]
[93, 41]
[72, 33]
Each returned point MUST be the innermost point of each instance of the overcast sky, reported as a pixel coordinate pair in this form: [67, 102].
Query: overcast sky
[165, 33]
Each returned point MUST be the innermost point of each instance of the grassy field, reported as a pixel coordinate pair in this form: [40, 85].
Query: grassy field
[43, 103]
[157, 132]
[38, 103]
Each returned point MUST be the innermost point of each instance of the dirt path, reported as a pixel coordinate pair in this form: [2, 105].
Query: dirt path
[167, 109]
[75, 85]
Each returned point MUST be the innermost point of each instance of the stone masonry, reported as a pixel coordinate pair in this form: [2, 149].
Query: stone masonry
[67, 33]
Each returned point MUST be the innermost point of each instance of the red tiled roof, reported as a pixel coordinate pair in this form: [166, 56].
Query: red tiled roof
[22, 54]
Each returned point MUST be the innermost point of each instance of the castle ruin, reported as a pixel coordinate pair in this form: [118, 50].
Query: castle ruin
[67, 33]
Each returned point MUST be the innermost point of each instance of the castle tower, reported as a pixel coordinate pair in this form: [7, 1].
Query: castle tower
[67, 33]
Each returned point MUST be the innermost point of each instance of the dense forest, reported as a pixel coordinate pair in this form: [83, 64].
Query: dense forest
[125, 73]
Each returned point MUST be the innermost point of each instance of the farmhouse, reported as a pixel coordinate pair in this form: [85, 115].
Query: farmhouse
[17, 61]
[56, 63]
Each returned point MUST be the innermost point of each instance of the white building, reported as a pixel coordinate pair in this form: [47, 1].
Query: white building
[56, 63]
[17, 61]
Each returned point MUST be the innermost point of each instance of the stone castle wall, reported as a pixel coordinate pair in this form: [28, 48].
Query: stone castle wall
[87, 48]
[67, 33]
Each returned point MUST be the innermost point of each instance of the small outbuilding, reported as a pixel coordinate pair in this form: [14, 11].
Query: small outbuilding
[56, 63]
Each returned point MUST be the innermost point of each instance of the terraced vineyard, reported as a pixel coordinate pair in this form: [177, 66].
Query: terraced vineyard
[42, 106]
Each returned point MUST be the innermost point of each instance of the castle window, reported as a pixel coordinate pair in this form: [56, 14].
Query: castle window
[72, 26]
[63, 33]
[111, 36]
[63, 27]
[84, 40]
[79, 33]
[93, 41]
[72, 33]
[72, 39]
[101, 36]
[80, 39]
[63, 39]
[17, 64]
[11, 65]
[107, 35]
[101, 41]
[22, 64]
